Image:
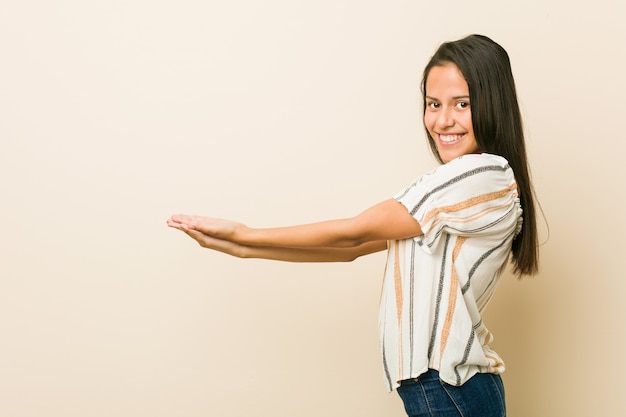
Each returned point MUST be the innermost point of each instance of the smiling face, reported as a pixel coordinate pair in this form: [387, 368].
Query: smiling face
[447, 116]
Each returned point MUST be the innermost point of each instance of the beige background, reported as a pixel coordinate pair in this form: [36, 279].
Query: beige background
[116, 113]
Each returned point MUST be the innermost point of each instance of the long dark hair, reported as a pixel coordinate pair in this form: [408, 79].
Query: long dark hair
[497, 123]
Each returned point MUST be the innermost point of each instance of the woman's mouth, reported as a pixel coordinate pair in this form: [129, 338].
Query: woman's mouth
[449, 139]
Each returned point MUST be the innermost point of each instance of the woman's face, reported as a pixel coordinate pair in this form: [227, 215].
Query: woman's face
[448, 116]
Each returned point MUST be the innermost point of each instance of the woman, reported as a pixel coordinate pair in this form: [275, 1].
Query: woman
[448, 236]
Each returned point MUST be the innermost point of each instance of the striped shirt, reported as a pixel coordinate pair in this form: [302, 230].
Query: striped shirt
[437, 284]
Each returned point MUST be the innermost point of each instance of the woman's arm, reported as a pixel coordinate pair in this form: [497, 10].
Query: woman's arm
[322, 254]
[388, 220]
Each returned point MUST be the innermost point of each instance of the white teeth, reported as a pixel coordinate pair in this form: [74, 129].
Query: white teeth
[449, 138]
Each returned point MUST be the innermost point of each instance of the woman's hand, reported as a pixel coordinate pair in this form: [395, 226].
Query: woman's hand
[215, 234]
[211, 227]
[190, 224]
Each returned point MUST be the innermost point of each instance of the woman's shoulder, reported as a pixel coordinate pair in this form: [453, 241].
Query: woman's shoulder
[470, 163]
[465, 169]
[477, 160]
[469, 168]
[458, 180]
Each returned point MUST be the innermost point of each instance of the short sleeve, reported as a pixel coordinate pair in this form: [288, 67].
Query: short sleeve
[470, 195]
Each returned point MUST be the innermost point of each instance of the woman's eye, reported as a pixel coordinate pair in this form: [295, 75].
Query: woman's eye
[463, 105]
[433, 105]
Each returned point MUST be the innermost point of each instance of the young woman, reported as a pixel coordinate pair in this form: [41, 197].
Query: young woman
[448, 237]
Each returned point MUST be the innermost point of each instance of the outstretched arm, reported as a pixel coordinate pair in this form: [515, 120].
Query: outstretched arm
[322, 254]
[343, 239]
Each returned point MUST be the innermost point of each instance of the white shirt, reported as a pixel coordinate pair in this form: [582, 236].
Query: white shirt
[436, 285]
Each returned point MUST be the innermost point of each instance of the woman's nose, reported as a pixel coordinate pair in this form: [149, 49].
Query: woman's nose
[445, 118]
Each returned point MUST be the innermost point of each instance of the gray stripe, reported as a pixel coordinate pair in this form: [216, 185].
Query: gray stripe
[468, 348]
[411, 312]
[442, 275]
[468, 231]
[384, 352]
[480, 261]
[456, 179]
[492, 282]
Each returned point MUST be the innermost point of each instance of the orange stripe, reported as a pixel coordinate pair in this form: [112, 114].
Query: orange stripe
[454, 286]
[397, 277]
[470, 218]
[473, 201]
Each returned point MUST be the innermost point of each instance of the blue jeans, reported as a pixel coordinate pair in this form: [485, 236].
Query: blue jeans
[428, 396]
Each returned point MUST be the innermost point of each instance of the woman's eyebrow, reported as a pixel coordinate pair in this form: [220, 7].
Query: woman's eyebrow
[454, 98]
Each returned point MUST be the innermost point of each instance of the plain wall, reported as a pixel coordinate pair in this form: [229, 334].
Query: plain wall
[116, 114]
